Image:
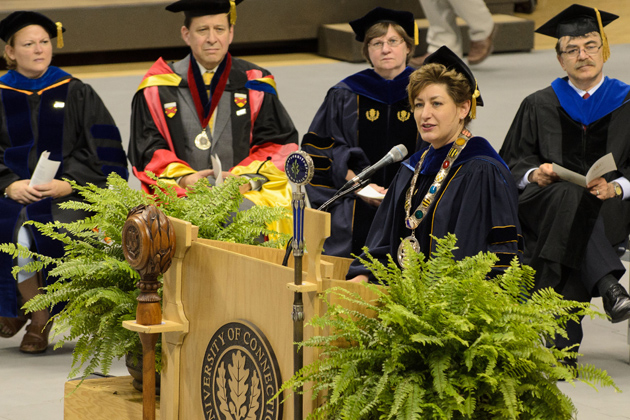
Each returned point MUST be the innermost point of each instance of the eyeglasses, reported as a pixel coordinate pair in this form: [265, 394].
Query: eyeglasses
[392, 42]
[574, 52]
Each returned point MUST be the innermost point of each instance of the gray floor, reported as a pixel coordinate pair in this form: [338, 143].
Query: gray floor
[31, 387]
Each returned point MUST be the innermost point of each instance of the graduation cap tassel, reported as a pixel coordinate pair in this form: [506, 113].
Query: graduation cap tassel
[473, 105]
[232, 12]
[59, 35]
[605, 47]
[416, 37]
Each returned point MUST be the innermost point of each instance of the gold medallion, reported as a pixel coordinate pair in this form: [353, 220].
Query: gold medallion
[415, 245]
[202, 141]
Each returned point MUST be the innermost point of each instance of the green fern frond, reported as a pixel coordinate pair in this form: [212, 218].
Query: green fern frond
[97, 285]
[444, 342]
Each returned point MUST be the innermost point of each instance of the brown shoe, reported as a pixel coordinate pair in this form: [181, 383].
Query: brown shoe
[480, 50]
[36, 338]
[11, 326]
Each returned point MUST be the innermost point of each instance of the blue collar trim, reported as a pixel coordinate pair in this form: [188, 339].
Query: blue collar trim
[477, 146]
[19, 81]
[369, 84]
[610, 96]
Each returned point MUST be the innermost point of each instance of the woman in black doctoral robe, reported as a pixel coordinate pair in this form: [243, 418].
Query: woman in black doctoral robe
[43, 109]
[458, 185]
[361, 119]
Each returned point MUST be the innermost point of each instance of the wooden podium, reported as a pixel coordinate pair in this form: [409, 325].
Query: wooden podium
[227, 330]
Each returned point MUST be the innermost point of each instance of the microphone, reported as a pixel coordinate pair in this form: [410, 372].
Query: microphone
[396, 154]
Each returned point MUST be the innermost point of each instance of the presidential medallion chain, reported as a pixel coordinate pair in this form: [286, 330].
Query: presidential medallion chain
[413, 220]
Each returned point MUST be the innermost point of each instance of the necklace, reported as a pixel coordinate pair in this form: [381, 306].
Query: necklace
[413, 220]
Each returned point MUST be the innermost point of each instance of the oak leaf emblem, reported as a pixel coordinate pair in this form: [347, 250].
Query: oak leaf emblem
[235, 405]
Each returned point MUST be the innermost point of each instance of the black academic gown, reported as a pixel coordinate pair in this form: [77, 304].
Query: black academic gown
[361, 119]
[477, 203]
[62, 115]
[165, 119]
[568, 232]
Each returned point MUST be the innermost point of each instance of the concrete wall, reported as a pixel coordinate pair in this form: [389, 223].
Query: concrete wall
[147, 25]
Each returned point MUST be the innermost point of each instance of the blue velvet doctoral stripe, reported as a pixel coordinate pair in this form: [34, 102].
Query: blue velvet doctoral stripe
[18, 81]
[51, 124]
[502, 234]
[8, 219]
[18, 120]
[477, 146]
[607, 98]
[41, 211]
[112, 154]
[369, 84]
[105, 131]
[19, 126]
[505, 260]
[123, 172]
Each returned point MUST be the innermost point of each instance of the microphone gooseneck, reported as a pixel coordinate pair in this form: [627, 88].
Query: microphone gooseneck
[396, 154]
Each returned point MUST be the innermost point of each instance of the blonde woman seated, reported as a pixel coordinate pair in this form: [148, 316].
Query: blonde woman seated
[458, 185]
[43, 109]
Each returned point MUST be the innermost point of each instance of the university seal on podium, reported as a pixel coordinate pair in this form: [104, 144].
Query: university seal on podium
[240, 374]
[299, 168]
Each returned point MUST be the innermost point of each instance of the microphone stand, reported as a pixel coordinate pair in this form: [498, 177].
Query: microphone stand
[362, 183]
[297, 315]
[323, 207]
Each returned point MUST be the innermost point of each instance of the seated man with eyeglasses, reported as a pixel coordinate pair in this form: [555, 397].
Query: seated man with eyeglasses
[361, 119]
[570, 230]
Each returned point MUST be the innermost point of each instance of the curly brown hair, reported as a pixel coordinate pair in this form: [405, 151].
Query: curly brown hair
[457, 85]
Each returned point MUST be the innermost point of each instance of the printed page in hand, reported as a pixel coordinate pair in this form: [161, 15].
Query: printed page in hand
[216, 165]
[603, 165]
[45, 170]
[370, 192]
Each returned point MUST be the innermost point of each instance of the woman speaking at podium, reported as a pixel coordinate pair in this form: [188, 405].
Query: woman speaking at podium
[458, 184]
[43, 110]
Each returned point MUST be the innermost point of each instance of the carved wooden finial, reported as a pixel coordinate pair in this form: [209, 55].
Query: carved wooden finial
[148, 242]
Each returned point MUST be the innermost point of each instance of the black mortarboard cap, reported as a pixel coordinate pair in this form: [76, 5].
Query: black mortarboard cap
[194, 8]
[21, 19]
[451, 61]
[380, 14]
[576, 20]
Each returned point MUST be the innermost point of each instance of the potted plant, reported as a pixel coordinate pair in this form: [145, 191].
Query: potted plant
[446, 342]
[97, 287]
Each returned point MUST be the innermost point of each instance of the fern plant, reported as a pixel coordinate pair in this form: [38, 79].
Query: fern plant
[95, 282]
[446, 343]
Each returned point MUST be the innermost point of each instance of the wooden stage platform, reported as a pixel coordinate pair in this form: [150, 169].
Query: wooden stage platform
[104, 399]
